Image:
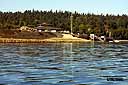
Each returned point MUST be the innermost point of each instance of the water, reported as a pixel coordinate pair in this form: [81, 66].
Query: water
[64, 64]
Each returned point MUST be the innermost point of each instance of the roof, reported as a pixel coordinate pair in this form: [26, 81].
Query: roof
[47, 27]
[40, 27]
[44, 24]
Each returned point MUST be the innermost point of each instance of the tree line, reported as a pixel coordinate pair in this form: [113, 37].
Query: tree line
[82, 23]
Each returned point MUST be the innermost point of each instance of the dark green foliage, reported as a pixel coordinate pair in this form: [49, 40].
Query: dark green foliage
[82, 23]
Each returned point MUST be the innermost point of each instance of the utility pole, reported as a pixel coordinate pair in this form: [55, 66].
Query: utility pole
[71, 23]
[110, 34]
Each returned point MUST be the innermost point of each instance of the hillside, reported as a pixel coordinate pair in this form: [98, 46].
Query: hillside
[82, 23]
[25, 34]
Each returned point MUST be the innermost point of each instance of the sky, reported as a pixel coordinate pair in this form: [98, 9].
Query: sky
[81, 6]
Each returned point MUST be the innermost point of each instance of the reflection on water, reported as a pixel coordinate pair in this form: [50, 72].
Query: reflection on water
[64, 64]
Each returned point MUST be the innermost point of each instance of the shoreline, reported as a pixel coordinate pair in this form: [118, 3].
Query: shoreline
[50, 40]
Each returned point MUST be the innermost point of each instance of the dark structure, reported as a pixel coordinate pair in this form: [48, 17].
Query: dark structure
[47, 28]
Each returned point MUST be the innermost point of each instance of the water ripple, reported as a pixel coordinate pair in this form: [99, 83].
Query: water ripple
[63, 64]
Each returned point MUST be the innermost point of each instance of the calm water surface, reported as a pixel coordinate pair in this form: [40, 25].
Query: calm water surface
[64, 64]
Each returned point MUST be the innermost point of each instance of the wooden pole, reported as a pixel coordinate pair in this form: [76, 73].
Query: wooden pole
[71, 23]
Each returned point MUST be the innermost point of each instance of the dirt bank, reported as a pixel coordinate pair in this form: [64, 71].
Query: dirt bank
[26, 34]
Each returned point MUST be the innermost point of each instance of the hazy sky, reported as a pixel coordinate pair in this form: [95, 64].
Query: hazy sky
[82, 6]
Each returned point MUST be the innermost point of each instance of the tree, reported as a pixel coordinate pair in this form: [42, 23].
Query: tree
[84, 23]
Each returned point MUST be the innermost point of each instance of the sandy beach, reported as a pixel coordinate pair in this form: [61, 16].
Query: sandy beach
[52, 40]
[67, 38]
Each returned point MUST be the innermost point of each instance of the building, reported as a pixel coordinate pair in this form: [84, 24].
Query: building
[25, 28]
[47, 28]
